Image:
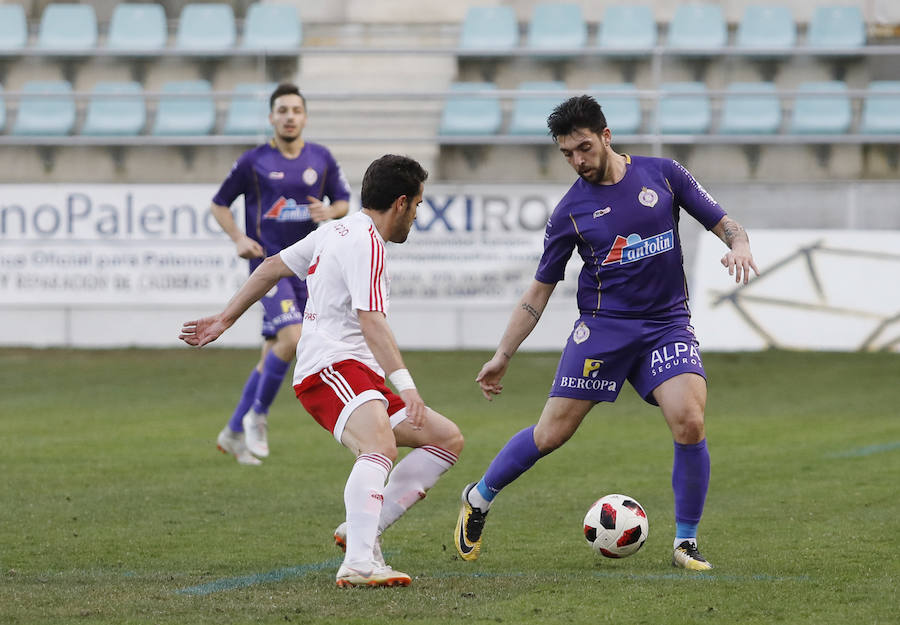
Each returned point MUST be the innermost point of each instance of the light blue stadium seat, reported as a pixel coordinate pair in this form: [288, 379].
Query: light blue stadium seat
[471, 115]
[816, 113]
[45, 108]
[489, 28]
[108, 115]
[179, 115]
[137, 27]
[68, 27]
[756, 113]
[206, 27]
[837, 27]
[529, 114]
[766, 27]
[272, 27]
[685, 112]
[697, 26]
[13, 27]
[248, 113]
[623, 113]
[629, 27]
[881, 111]
[557, 26]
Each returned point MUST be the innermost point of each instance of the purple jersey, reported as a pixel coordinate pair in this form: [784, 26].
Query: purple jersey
[275, 189]
[627, 235]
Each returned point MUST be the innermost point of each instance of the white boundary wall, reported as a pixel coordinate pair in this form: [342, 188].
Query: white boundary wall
[124, 265]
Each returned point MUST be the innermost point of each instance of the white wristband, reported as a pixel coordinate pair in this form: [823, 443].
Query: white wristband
[402, 380]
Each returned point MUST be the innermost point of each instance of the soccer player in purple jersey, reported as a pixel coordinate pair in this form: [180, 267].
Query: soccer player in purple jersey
[284, 183]
[634, 324]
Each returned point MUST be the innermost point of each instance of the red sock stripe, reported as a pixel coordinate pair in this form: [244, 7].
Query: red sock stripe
[378, 459]
[441, 453]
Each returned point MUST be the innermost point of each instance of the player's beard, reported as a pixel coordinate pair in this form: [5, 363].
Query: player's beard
[595, 175]
[287, 138]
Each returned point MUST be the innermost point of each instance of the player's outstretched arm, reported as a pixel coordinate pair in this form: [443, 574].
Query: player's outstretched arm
[739, 259]
[200, 332]
[522, 321]
[383, 345]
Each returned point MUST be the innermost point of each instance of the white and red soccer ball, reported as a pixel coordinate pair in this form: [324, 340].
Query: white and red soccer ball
[616, 526]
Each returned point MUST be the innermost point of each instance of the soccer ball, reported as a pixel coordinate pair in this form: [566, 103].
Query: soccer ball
[616, 526]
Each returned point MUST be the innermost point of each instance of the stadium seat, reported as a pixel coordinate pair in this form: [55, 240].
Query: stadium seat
[68, 27]
[248, 113]
[2, 110]
[45, 108]
[529, 114]
[108, 114]
[686, 110]
[623, 113]
[137, 27]
[881, 111]
[557, 27]
[471, 115]
[697, 26]
[180, 115]
[272, 27]
[629, 28]
[837, 27]
[206, 27]
[816, 113]
[489, 28]
[756, 113]
[13, 27]
[766, 27]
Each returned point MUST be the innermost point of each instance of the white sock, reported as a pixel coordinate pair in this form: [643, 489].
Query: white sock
[477, 500]
[678, 541]
[363, 499]
[410, 479]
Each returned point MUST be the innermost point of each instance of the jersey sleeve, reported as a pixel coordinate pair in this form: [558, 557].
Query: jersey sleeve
[299, 256]
[336, 186]
[363, 266]
[234, 184]
[560, 239]
[690, 195]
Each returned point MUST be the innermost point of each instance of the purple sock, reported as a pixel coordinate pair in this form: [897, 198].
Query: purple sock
[245, 402]
[516, 457]
[690, 481]
[273, 372]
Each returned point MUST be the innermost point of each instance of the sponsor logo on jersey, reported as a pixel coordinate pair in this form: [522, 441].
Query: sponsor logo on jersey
[310, 176]
[581, 333]
[591, 366]
[588, 384]
[276, 175]
[287, 305]
[313, 267]
[633, 248]
[648, 197]
[600, 212]
[287, 210]
[673, 355]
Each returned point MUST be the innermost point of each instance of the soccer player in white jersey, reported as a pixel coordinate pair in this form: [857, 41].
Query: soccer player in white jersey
[344, 351]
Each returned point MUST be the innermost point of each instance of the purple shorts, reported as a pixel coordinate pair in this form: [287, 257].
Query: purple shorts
[284, 305]
[603, 352]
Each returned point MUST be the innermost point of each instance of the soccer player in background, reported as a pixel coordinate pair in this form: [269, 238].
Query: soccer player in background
[343, 354]
[622, 215]
[284, 183]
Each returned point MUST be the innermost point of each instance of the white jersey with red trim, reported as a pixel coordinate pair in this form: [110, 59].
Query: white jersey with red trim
[343, 263]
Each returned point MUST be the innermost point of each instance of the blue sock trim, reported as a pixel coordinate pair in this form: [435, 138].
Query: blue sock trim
[485, 491]
[685, 530]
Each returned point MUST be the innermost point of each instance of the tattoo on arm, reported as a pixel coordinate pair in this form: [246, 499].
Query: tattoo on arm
[531, 310]
[733, 231]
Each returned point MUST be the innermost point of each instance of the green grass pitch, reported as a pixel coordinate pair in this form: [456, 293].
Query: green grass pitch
[115, 506]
